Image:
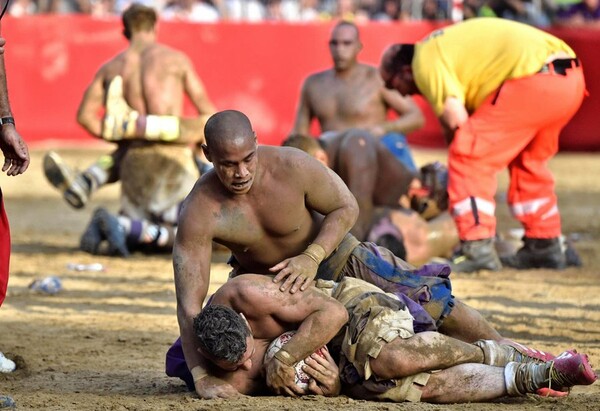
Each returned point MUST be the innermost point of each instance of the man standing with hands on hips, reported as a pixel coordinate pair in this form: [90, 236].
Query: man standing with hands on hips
[502, 105]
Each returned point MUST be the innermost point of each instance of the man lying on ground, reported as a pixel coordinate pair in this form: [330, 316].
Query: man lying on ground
[372, 334]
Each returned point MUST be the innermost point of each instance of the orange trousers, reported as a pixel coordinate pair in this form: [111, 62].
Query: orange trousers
[517, 127]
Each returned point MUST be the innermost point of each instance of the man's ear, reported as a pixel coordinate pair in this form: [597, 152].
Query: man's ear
[206, 152]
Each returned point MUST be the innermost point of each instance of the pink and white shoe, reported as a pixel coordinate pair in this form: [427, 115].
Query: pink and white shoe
[532, 353]
[570, 369]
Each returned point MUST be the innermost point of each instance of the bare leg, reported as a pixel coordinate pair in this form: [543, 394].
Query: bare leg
[465, 383]
[425, 351]
[467, 324]
[477, 382]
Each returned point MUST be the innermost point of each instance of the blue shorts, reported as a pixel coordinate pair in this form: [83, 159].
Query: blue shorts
[398, 146]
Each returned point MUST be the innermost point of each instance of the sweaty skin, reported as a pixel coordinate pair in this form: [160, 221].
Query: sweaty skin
[352, 94]
[155, 80]
[316, 317]
[264, 204]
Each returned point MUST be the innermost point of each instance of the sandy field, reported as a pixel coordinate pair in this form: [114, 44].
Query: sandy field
[100, 343]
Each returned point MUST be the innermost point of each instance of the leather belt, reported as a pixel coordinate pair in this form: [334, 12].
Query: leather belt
[559, 66]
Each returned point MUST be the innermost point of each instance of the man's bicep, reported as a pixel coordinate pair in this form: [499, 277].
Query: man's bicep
[330, 194]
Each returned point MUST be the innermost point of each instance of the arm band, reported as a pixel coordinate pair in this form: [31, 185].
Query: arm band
[315, 252]
[285, 357]
[198, 373]
[162, 128]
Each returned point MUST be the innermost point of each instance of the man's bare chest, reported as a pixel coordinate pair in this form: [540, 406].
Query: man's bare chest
[271, 218]
[345, 100]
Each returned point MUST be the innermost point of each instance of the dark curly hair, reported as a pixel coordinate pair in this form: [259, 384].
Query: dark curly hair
[222, 332]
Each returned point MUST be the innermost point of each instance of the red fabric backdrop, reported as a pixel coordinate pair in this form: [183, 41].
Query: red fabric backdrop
[255, 68]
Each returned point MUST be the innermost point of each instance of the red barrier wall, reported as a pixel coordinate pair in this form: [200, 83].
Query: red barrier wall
[255, 68]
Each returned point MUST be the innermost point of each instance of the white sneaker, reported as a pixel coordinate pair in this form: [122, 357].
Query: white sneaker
[6, 365]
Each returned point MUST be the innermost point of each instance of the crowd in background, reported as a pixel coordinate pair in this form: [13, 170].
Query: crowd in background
[541, 13]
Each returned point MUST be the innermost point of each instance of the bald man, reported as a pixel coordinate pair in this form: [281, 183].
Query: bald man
[281, 212]
[352, 95]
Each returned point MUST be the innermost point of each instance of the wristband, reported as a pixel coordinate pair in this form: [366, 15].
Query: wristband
[285, 357]
[7, 120]
[162, 128]
[198, 373]
[315, 252]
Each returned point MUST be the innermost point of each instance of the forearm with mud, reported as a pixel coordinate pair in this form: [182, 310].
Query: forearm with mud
[190, 291]
[314, 332]
[193, 358]
[189, 341]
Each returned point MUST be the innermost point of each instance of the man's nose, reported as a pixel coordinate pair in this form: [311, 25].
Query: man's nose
[241, 171]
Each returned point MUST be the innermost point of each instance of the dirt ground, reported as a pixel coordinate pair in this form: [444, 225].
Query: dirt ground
[100, 343]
